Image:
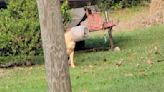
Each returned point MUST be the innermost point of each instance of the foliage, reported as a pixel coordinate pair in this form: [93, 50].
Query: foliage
[65, 12]
[19, 29]
[104, 4]
[117, 4]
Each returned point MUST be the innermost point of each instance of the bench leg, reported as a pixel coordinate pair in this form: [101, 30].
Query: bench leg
[110, 39]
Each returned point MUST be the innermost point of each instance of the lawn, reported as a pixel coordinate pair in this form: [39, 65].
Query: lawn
[138, 67]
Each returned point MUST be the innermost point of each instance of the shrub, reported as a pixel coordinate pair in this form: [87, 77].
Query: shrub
[117, 4]
[19, 29]
[65, 12]
[104, 4]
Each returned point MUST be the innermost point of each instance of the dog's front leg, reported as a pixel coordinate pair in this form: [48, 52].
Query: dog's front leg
[71, 59]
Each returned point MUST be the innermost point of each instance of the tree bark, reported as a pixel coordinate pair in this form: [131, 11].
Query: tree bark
[52, 34]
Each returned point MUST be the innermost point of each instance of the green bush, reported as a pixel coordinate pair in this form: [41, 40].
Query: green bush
[118, 4]
[19, 29]
[65, 12]
[104, 4]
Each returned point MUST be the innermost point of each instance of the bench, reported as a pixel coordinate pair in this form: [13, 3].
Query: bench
[94, 22]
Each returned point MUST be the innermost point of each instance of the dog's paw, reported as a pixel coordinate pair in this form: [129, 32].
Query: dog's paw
[72, 66]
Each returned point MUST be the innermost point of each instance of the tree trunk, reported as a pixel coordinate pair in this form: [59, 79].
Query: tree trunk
[52, 34]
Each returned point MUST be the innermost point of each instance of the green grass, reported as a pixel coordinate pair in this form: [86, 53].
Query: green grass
[98, 71]
[29, 79]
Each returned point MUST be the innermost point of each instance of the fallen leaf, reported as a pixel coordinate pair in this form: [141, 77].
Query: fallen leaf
[90, 66]
[128, 74]
[84, 91]
[137, 65]
[142, 72]
[149, 61]
[119, 63]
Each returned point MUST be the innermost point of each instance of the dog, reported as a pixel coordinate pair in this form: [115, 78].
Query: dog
[73, 35]
[70, 45]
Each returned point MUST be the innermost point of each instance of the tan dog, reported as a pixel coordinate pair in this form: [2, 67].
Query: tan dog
[73, 35]
[70, 45]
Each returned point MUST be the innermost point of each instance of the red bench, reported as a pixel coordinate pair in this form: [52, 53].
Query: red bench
[94, 22]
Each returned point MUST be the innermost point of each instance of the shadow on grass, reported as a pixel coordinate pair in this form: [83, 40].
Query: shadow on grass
[10, 62]
[118, 41]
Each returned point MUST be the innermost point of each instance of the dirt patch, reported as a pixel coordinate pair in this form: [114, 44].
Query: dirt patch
[156, 12]
[153, 15]
[2, 72]
[137, 21]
